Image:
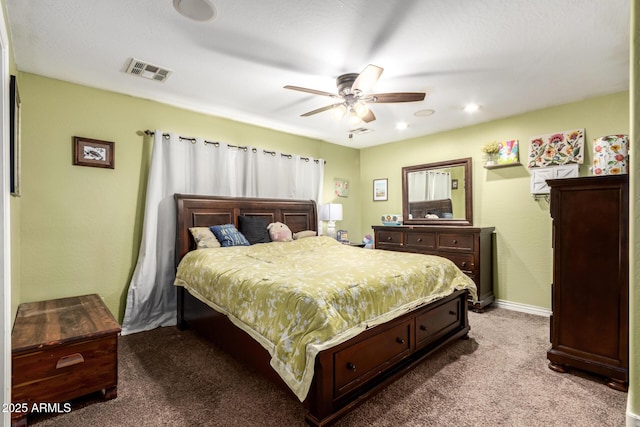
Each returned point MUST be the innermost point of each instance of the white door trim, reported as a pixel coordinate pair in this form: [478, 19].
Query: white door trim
[5, 251]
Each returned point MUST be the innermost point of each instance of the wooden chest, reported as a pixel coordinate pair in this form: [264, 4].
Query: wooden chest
[62, 349]
[470, 248]
[590, 290]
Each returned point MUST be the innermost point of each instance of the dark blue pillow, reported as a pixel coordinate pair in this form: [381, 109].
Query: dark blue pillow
[228, 235]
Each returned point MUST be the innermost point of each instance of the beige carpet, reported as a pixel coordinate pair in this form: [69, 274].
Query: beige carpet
[499, 377]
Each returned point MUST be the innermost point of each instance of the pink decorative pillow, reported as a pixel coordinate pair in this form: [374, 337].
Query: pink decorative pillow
[279, 232]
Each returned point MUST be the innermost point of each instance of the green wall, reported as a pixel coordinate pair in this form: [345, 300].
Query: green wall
[501, 197]
[80, 227]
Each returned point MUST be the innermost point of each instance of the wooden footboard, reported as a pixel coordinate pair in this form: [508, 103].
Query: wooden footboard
[349, 373]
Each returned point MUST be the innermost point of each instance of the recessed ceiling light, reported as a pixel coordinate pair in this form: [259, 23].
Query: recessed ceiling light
[471, 108]
[424, 113]
[197, 10]
[402, 125]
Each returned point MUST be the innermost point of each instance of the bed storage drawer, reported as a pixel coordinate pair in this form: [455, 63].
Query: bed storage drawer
[365, 359]
[438, 322]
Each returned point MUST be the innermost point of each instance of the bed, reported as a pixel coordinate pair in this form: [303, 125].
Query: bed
[357, 359]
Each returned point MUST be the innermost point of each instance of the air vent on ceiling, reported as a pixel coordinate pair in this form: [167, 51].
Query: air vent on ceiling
[148, 71]
[360, 131]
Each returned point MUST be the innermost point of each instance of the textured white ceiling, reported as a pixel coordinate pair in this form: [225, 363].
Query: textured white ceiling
[509, 56]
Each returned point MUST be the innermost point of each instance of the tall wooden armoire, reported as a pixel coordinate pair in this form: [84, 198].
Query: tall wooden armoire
[590, 290]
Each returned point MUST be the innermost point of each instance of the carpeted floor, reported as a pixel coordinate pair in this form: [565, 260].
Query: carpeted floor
[499, 377]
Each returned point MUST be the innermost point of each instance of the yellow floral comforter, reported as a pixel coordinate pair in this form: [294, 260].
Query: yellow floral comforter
[298, 298]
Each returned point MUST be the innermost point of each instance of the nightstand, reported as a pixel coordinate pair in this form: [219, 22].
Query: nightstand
[62, 349]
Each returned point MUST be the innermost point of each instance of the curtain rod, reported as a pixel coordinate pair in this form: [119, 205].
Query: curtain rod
[217, 144]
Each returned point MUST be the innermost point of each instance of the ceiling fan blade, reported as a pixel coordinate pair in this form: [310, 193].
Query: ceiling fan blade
[313, 91]
[366, 79]
[396, 97]
[320, 110]
[369, 117]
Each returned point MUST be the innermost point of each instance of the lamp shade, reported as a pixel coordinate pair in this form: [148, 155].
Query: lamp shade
[331, 212]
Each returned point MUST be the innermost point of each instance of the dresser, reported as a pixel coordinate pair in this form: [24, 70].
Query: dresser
[590, 290]
[470, 248]
[61, 349]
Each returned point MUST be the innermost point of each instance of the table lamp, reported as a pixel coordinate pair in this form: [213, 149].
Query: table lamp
[331, 212]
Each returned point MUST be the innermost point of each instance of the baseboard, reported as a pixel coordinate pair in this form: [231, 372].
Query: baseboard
[525, 308]
[633, 420]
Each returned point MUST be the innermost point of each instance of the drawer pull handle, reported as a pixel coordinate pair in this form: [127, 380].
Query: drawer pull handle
[400, 340]
[423, 328]
[464, 263]
[419, 239]
[70, 360]
[455, 242]
[351, 367]
[389, 238]
[453, 313]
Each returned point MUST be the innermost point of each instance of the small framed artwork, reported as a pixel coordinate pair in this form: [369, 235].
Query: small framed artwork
[380, 189]
[93, 152]
[341, 187]
[509, 153]
[454, 184]
[14, 135]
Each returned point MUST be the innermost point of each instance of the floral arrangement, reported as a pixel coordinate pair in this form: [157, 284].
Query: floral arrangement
[491, 148]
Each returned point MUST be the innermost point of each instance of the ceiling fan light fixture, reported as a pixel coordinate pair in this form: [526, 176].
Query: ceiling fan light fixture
[354, 119]
[360, 109]
[196, 10]
[340, 111]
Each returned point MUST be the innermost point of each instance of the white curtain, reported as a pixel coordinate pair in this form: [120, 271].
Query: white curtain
[181, 165]
[429, 185]
[439, 185]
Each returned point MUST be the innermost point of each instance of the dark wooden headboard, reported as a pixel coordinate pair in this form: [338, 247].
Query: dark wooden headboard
[437, 207]
[204, 211]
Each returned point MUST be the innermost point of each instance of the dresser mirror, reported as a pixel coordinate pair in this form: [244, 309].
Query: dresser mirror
[438, 193]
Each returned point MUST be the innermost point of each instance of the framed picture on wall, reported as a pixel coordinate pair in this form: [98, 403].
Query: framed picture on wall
[380, 189]
[14, 138]
[93, 152]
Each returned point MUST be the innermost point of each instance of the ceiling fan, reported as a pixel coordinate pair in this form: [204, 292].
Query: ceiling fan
[353, 95]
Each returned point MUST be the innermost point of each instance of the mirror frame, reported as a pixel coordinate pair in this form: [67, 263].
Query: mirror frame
[468, 193]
